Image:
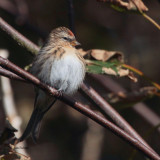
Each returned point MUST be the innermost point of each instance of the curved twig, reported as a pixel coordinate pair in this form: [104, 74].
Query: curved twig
[71, 15]
[79, 107]
[18, 37]
[34, 49]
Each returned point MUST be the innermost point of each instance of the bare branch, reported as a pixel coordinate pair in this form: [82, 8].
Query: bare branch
[80, 107]
[18, 37]
[8, 5]
[2, 120]
[131, 5]
[9, 103]
[71, 15]
[33, 48]
[140, 108]
[106, 107]
[6, 73]
[132, 97]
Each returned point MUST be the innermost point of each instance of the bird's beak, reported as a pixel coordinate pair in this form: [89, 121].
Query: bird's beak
[75, 43]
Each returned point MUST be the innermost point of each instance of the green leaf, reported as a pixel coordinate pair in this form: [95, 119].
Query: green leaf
[96, 66]
[94, 69]
[117, 8]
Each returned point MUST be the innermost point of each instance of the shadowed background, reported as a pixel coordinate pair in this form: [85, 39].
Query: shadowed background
[65, 134]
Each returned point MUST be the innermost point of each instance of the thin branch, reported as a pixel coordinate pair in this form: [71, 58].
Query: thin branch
[79, 107]
[151, 20]
[140, 73]
[8, 5]
[140, 108]
[71, 15]
[9, 103]
[2, 120]
[34, 49]
[119, 120]
[108, 109]
[146, 16]
[131, 97]
[11, 9]
[6, 73]
[18, 37]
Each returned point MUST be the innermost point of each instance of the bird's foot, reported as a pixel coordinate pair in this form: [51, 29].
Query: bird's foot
[60, 93]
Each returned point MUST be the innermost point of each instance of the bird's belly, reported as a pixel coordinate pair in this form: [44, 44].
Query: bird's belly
[67, 74]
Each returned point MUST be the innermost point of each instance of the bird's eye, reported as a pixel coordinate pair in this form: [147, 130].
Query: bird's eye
[65, 38]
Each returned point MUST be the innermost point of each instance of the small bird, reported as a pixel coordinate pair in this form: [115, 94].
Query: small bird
[60, 65]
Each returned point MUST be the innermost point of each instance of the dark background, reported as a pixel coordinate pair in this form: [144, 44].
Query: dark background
[97, 26]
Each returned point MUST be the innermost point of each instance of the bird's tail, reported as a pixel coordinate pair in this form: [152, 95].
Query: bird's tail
[33, 126]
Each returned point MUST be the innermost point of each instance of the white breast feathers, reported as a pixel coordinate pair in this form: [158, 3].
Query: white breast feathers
[67, 73]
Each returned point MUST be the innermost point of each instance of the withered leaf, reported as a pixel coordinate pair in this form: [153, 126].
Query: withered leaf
[109, 71]
[102, 55]
[130, 5]
[106, 62]
[111, 68]
[120, 71]
[132, 77]
[123, 72]
[139, 4]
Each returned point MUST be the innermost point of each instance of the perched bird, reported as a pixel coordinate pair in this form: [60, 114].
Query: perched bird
[59, 65]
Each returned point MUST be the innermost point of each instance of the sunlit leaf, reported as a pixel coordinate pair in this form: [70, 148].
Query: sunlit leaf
[109, 67]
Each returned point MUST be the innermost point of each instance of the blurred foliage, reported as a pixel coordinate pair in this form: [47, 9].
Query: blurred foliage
[97, 26]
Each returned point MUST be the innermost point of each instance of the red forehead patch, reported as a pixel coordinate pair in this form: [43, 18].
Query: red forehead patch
[70, 33]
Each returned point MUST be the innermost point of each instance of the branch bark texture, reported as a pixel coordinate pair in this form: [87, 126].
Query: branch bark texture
[27, 76]
[79, 107]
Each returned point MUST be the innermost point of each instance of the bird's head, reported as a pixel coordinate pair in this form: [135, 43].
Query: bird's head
[62, 36]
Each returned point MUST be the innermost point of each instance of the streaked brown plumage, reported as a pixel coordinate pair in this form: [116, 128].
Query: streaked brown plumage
[59, 65]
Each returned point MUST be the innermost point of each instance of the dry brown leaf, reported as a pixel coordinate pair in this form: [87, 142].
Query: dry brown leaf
[127, 73]
[109, 71]
[130, 5]
[103, 55]
[132, 77]
[123, 72]
[139, 4]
